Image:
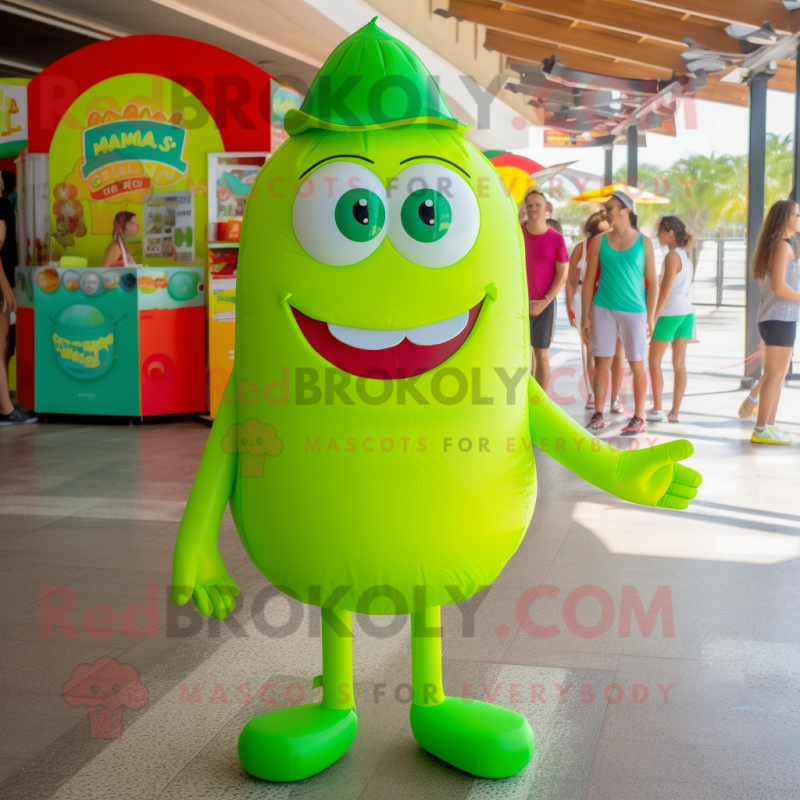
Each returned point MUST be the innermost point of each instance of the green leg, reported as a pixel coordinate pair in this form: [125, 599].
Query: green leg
[337, 659]
[426, 657]
[294, 743]
[479, 738]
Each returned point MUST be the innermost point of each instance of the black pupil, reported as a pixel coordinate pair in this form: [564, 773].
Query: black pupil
[426, 212]
[360, 212]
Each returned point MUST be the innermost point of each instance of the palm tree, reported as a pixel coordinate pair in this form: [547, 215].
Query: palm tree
[651, 179]
[780, 163]
[733, 195]
[777, 179]
[709, 193]
[699, 190]
[696, 187]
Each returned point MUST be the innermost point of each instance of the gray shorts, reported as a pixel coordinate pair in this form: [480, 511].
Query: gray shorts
[631, 327]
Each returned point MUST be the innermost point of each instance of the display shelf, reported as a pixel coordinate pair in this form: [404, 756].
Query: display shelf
[220, 245]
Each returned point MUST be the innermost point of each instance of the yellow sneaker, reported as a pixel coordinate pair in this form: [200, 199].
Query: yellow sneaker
[768, 436]
[748, 408]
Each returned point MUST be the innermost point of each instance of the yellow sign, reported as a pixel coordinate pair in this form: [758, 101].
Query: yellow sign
[132, 151]
[8, 109]
[13, 116]
[121, 144]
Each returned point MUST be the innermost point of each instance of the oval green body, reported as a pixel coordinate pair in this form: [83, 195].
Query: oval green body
[377, 501]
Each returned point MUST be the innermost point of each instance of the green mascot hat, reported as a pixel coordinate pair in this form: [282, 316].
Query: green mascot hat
[370, 81]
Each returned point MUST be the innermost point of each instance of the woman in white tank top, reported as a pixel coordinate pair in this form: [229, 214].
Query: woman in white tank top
[674, 317]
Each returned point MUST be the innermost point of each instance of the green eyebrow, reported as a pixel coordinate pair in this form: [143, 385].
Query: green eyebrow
[439, 158]
[341, 155]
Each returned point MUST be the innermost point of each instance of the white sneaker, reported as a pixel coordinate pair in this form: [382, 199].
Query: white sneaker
[656, 416]
[616, 406]
[782, 435]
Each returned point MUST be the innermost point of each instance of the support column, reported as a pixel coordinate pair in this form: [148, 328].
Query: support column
[609, 170]
[633, 155]
[796, 170]
[756, 167]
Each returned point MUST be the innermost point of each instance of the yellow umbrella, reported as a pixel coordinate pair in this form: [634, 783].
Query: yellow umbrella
[636, 194]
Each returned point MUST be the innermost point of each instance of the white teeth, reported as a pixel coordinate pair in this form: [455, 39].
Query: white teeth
[434, 333]
[365, 339]
[439, 332]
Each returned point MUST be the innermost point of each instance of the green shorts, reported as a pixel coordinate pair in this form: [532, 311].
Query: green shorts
[670, 328]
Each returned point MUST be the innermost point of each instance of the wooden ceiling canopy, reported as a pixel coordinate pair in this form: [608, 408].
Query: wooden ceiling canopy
[743, 12]
[634, 39]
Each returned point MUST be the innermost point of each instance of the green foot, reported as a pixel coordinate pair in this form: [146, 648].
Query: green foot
[482, 739]
[295, 743]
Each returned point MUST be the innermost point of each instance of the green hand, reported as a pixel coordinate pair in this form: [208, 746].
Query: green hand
[199, 572]
[653, 477]
[197, 568]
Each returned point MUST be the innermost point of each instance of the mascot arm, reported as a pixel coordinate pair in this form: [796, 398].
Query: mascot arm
[651, 476]
[198, 571]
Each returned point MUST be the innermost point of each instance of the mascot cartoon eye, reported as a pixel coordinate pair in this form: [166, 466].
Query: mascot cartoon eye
[426, 215]
[339, 213]
[434, 218]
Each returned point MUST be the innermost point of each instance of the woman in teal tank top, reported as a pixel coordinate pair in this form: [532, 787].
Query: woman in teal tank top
[621, 285]
[622, 307]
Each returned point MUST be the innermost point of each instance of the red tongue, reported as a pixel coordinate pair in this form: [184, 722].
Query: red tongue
[404, 360]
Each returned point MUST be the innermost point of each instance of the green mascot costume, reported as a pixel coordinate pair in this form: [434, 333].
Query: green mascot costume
[375, 439]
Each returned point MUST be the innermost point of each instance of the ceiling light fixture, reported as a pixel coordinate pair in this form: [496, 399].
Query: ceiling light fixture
[766, 34]
[445, 14]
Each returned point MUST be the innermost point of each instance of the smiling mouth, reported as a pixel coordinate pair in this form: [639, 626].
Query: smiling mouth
[388, 354]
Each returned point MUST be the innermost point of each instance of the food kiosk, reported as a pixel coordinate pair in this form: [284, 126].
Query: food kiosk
[128, 125]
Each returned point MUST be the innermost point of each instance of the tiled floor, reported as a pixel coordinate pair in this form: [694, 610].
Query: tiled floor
[88, 516]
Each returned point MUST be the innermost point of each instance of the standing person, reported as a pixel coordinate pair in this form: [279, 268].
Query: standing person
[595, 224]
[546, 262]
[749, 406]
[775, 267]
[9, 413]
[126, 225]
[674, 317]
[622, 307]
